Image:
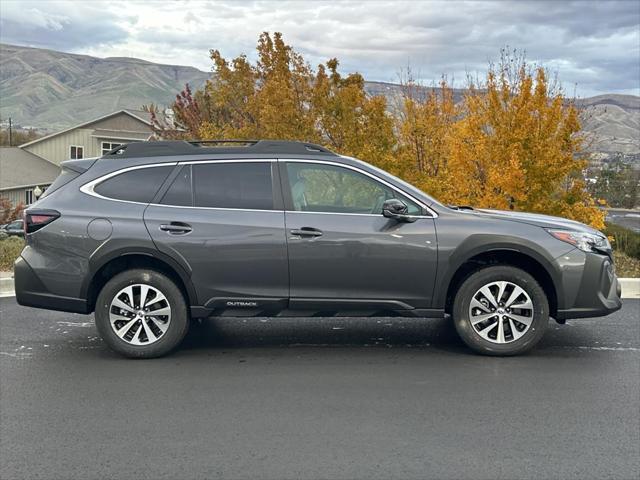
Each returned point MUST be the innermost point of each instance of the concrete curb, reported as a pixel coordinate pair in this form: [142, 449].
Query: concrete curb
[630, 287]
[6, 287]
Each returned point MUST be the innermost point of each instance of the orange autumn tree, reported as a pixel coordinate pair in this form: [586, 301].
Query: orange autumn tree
[517, 145]
[512, 142]
[424, 127]
[347, 119]
[281, 97]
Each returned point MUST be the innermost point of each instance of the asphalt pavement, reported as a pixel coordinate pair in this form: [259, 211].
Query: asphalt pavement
[318, 398]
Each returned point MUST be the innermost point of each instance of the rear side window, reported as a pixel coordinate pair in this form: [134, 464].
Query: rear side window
[233, 185]
[138, 185]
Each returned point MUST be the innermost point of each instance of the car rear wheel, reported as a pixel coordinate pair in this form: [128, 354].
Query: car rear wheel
[141, 314]
[501, 310]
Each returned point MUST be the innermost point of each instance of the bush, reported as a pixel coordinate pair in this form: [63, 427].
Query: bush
[10, 249]
[626, 267]
[624, 240]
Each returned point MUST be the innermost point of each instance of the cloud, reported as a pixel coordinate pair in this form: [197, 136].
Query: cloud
[57, 25]
[595, 45]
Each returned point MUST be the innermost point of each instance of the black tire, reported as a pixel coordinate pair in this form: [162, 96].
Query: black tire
[469, 334]
[179, 321]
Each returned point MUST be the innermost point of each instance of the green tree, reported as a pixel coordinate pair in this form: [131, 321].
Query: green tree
[618, 184]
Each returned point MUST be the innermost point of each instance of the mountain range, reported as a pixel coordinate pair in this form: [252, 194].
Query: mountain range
[52, 90]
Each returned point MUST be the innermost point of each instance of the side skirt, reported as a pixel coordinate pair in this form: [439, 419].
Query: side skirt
[282, 307]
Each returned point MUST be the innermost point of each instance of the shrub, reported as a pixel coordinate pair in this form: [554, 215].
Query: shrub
[626, 266]
[624, 240]
[10, 249]
[8, 211]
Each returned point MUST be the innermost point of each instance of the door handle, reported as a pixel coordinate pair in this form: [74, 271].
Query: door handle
[176, 228]
[306, 232]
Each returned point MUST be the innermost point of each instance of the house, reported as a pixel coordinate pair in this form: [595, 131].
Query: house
[22, 173]
[93, 138]
[37, 163]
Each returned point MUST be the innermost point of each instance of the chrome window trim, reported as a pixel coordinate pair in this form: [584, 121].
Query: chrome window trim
[88, 188]
[433, 214]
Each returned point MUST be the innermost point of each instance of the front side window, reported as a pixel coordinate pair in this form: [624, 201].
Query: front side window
[245, 185]
[139, 185]
[335, 189]
[76, 152]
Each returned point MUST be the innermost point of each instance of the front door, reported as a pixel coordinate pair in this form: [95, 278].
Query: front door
[224, 220]
[342, 252]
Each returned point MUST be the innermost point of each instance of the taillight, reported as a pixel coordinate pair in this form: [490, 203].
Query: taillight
[34, 220]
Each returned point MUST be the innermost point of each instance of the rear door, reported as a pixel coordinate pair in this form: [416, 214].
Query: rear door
[224, 219]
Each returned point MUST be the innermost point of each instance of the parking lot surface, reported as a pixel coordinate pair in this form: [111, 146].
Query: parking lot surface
[318, 398]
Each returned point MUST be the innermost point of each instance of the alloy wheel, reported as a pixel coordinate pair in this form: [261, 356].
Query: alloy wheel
[140, 314]
[501, 312]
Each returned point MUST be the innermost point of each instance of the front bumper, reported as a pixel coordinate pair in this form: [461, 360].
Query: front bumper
[599, 290]
[31, 292]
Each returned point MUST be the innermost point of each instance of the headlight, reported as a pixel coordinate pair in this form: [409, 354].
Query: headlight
[587, 242]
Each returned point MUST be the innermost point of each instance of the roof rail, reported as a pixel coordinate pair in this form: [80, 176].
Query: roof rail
[203, 147]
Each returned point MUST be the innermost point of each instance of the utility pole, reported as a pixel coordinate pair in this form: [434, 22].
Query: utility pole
[10, 134]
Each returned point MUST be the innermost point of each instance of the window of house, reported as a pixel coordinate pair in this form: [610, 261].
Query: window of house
[108, 146]
[334, 189]
[245, 185]
[76, 152]
[139, 185]
[29, 197]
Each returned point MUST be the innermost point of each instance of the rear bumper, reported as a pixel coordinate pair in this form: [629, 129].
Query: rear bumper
[599, 292]
[31, 292]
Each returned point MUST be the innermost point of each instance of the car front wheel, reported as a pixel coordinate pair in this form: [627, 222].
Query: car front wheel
[500, 310]
[141, 314]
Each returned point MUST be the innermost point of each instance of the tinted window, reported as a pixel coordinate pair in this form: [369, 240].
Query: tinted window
[326, 188]
[233, 185]
[135, 185]
[179, 193]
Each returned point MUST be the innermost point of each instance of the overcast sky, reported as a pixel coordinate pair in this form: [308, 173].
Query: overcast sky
[594, 46]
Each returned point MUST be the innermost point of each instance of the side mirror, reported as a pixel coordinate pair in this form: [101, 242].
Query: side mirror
[397, 209]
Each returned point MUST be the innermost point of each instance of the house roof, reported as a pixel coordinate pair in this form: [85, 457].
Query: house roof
[20, 168]
[141, 115]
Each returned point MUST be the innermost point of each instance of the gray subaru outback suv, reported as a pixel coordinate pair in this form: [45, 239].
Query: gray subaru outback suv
[152, 235]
